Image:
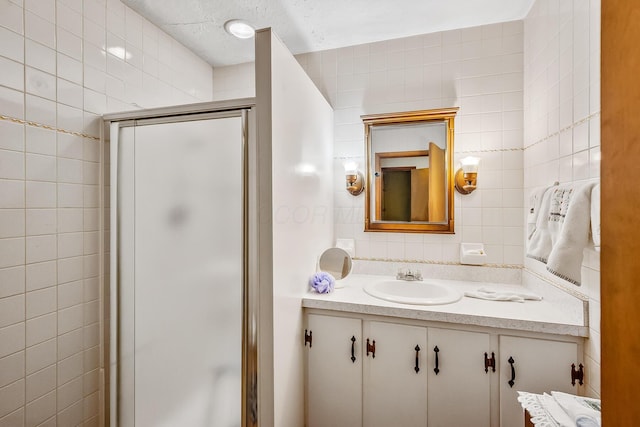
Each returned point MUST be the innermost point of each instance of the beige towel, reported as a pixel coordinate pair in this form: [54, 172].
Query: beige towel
[569, 226]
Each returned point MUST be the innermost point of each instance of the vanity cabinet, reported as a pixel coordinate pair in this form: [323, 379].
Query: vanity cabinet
[409, 375]
[334, 371]
[459, 393]
[533, 365]
[369, 371]
[394, 391]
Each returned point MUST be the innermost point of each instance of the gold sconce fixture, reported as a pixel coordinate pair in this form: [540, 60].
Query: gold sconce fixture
[467, 175]
[355, 178]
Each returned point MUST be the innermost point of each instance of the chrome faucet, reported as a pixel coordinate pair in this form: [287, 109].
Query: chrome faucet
[408, 275]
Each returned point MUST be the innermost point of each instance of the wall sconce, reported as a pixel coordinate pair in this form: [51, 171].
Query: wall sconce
[355, 178]
[467, 175]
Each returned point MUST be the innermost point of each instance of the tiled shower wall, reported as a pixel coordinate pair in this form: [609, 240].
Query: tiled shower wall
[562, 128]
[62, 64]
[477, 69]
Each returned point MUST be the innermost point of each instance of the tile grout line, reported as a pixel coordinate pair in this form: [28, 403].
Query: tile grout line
[43, 126]
[564, 129]
[435, 262]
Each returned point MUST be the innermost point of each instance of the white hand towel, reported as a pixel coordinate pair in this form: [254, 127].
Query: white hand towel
[570, 232]
[539, 243]
[595, 217]
[535, 202]
[488, 294]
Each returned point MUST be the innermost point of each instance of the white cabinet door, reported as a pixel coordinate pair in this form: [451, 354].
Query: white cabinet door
[334, 374]
[538, 366]
[395, 392]
[459, 393]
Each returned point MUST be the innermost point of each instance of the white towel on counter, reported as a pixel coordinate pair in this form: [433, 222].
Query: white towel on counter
[569, 231]
[489, 294]
[595, 216]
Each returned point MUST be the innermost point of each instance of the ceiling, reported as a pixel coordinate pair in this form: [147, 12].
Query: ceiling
[313, 25]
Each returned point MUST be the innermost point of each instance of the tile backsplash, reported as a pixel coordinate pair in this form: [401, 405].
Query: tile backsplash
[478, 69]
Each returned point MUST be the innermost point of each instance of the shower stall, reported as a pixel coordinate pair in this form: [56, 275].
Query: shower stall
[182, 338]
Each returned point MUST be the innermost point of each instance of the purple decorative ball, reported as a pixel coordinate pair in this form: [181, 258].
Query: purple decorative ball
[322, 282]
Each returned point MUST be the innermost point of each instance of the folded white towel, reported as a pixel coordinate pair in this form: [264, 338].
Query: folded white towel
[583, 411]
[595, 216]
[556, 411]
[488, 294]
[569, 231]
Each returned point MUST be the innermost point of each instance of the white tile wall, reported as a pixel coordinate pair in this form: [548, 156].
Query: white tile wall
[478, 69]
[562, 125]
[57, 69]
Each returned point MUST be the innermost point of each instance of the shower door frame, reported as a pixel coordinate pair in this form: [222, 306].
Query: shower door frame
[245, 109]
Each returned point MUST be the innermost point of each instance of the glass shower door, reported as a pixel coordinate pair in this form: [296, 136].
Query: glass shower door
[181, 263]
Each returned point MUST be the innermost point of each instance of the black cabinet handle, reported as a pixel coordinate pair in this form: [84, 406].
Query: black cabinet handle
[417, 349]
[308, 338]
[513, 372]
[353, 349]
[436, 351]
[371, 348]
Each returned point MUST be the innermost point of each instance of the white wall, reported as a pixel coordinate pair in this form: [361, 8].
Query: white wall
[478, 69]
[56, 79]
[234, 82]
[299, 134]
[562, 127]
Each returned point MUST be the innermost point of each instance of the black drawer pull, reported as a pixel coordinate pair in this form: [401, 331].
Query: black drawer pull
[512, 381]
[353, 349]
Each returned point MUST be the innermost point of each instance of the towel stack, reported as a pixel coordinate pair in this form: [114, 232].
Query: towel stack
[560, 228]
[561, 409]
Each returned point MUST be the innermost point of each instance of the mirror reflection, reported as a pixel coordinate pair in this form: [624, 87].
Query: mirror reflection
[335, 261]
[409, 164]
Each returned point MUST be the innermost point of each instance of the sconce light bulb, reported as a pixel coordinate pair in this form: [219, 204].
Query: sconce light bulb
[470, 164]
[350, 167]
[466, 177]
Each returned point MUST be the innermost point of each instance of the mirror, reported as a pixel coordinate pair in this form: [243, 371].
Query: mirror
[409, 180]
[335, 261]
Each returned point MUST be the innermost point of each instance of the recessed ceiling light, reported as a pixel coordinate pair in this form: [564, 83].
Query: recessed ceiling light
[239, 28]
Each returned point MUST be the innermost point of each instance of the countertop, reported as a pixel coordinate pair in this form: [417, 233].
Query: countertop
[544, 316]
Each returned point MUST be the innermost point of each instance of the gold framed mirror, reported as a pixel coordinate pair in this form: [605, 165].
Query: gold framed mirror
[409, 179]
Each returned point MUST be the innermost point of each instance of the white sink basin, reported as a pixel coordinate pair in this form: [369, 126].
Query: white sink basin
[420, 293]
